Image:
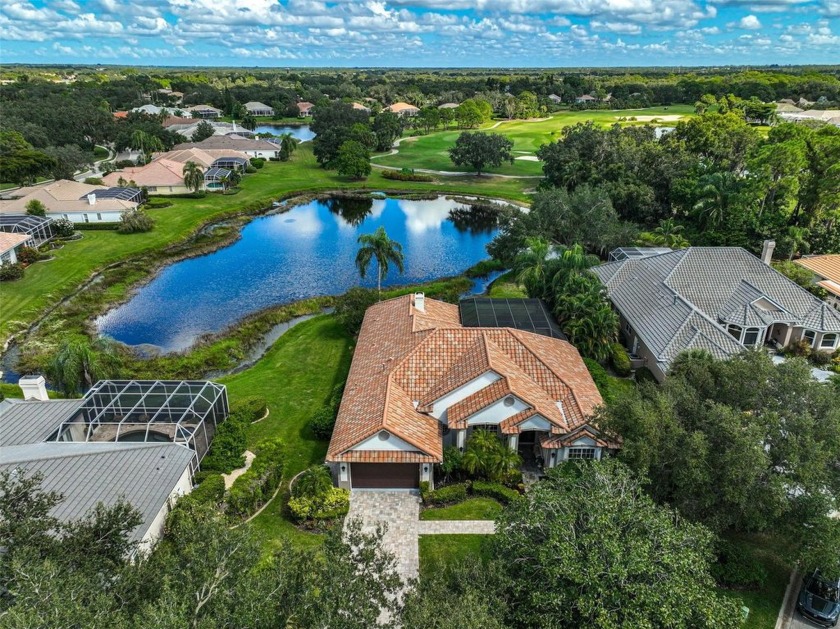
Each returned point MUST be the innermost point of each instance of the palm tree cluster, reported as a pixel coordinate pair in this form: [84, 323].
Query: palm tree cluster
[193, 176]
[489, 457]
[560, 276]
[378, 246]
[79, 363]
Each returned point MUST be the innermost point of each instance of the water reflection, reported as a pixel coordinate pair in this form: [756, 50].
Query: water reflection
[301, 133]
[308, 251]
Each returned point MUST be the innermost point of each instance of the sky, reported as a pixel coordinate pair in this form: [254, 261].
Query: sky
[421, 33]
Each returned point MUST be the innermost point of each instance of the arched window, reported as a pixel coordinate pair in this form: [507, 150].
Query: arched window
[829, 341]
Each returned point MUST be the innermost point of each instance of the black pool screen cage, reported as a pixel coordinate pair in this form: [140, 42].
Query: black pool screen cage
[38, 227]
[530, 315]
[184, 412]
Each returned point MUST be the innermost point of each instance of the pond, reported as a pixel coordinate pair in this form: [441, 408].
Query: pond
[302, 133]
[307, 251]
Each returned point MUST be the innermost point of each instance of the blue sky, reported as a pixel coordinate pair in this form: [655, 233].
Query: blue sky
[455, 33]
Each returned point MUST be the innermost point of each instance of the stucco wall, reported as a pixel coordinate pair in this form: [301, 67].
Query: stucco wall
[182, 487]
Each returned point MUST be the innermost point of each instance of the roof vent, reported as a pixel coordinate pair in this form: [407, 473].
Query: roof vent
[509, 401]
[384, 435]
[420, 301]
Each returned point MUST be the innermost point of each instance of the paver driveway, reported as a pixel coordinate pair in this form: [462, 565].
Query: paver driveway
[398, 512]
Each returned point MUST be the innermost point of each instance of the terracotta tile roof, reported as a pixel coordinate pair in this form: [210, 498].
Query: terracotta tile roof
[827, 267]
[562, 441]
[406, 359]
[10, 241]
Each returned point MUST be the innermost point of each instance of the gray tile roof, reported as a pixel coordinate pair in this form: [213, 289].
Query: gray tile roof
[674, 301]
[30, 422]
[89, 473]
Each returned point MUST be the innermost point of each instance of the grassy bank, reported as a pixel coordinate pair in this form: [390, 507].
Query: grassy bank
[46, 283]
[440, 551]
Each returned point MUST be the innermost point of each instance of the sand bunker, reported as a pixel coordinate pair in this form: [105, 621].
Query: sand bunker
[668, 118]
[528, 158]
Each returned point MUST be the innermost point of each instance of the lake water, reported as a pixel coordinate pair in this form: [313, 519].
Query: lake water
[302, 133]
[306, 252]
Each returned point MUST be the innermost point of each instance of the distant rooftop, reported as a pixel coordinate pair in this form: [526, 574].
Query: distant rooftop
[636, 253]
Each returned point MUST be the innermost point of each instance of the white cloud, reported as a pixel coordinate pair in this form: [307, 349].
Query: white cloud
[748, 22]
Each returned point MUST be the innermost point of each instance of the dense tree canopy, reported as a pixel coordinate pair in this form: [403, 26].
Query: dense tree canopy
[479, 150]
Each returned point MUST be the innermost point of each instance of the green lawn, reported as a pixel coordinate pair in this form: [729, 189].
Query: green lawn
[296, 376]
[439, 551]
[45, 283]
[505, 287]
[766, 602]
[430, 151]
[472, 509]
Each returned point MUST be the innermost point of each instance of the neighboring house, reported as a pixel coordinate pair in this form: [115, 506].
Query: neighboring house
[204, 111]
[256, 108]
[421, 380]
[189, 127]
[360, 107]
[10, 243]
[249, 146]
[231, 162]
[139, 441]
[206, 158]
[76, 201]
[154, 110]
[785, 107]
[305, 109]
[554, 98]
[718, 299]
[119, 115]
[827, 268]
[586, 98]
[172, 121]
[828, 116]
[39, 228]
[403, 109]
[160, 176]
[448, 106]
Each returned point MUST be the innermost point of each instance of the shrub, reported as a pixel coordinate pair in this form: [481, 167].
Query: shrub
[35, 208]
[330, 505]
[496, 491]
[484, 268]
[800, 348]
[27, 255]
[405, 175]
[451, 465]
[210, 491]
[250, 170]
[94, 181]
[10, 272]
[737, 567]
[448, 495]
[249, 409]
[322, 423]
[125, 163]
[257, 162]
[350, 308]
[820, 359]
[135, 221]
[63, 227]
[95, 226]
[620, 360]
[256, 486]
[158, 203]
[315, 481]
[424, 491]
[227, 447]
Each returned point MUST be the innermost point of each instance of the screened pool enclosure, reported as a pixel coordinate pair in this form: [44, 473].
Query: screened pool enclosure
[185, 412]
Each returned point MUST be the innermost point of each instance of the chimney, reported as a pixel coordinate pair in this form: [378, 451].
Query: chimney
[34, 388]
[767, 251]
[92, 198]
[420, 302]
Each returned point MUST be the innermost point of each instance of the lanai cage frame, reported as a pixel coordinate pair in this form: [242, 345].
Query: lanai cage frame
[185, 412]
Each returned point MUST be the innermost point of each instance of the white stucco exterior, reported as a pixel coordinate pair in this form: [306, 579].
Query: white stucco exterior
[391, 444]
[440, 406]
[182, 487]
[90, 217]
[497, 412]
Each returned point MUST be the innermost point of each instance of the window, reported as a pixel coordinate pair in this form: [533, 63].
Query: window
[829, 341]
[810, 336]
[581, 453]
[627, 327]
[87, 218]
[98, 216]
[751, 336]
[735, 331]
[494, 428]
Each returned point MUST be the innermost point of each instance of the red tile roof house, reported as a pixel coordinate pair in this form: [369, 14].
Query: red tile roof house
[421, 381]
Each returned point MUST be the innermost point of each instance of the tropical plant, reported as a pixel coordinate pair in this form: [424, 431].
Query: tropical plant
[377, 246]
[193, 176]
[135, 221]
[249, 122]
[79, 363]
[667, 234]
[715, 194]
[288, 144]
[584, 312]
[489, 457]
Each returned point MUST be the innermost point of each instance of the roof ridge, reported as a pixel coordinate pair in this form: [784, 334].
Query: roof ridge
[108, 447]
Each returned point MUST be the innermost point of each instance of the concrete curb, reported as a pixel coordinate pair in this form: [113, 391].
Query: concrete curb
[787, 610]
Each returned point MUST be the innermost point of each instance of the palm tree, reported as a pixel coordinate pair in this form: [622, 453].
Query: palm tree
[530, 265]
[193, 176]
[714, 196]
[667, 234]
[486, 455]
[145, 143]
[79, 363]
[288, 144]
[378, 246]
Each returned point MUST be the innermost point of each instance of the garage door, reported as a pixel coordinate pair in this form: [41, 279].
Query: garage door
[385, 475]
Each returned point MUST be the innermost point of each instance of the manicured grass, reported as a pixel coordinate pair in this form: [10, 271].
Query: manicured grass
[440, 551]
[45, 283]
[766, 602]
[472, 509]
[296, 377]
[430, 151]
[506, 287]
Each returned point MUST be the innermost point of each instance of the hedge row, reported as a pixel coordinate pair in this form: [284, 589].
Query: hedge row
[400, 175]
[453, 494]
[210, 491]
[256, 486]
[96, 226]
[328, 505]
[230, 440]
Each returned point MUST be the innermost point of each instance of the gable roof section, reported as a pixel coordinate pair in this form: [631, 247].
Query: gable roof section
[826, 267]
[34, 421]
[88, 473]
[404, 363]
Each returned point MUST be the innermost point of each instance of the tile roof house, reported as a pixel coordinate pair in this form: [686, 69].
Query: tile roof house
[86, 457]
[585, 98]
[249, 146]
[305, 109]
[9, 244]
[403, 109]
[421, 381]
[719, 299]
[74, 200]
[204, 111]
[827, 268]
[256, 108]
